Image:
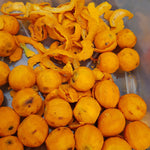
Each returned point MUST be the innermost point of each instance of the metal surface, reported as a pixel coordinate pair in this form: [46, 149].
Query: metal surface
[137, 81]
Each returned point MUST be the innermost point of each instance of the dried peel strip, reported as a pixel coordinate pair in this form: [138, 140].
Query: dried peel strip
[93, 11]
[51, 22]
[63, 8]
[87, 50]
[103, 7]
[93, 26]
[79, 5]
[69, 15]
[54, 45]
[34, 60]
[108, 14]
[1, 23]
[23, 11]
[66, 92]
[57, 52]
[28, 40]
[119, 27]
[108, 49]
[54, 34]
[66, 71]
[17, 55]
[119, 14]
[40, 34]
[77, 33]
[9, 7]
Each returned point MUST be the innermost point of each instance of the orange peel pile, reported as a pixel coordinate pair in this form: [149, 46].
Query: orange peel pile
[72, 25]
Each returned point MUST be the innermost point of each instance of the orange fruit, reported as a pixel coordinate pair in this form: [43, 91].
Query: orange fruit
[11, 24]
[9, 121]
[107, 93]
[48, 80]
[111, 122]
[21, 77]
[126, 38]
[32, 131]
[105, 40]
[87, 110]
[116, 143]
[129, 59]
[26, 102]
[108, 62]
[137, 135]
[83, 79]
[88, 137]
[68, 93]
[58, 112]
[4, 74]
[60, 138]
[10, 143]
[132, 106]
[7, 44]
[1, 97]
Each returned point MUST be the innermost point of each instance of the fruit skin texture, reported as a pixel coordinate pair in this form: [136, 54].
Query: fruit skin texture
[116, 143]
[83, 79]
[137, 135]
[88, 137]
[4, 73]
[107, 93]
[87, 110]
[60, 138]
[48, 80]
[126, 38]
[1, 97]
[26, 102]
[9, 121]
[7, 44]
[132, 106]
[21, 77]
[105, 40]
[58, 112]
[108, 62]
[33, 131]
[11, 24]
[111, 122]
[129, 59]
[10, 143]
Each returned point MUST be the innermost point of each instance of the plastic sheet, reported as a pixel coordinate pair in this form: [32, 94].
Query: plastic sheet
[137, 81]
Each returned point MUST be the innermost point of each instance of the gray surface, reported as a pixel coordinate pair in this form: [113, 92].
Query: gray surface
[137, 81]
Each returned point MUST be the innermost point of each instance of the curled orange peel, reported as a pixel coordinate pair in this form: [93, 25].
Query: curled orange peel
[17, 55]
[1, 23]
[103, 7]
[93, 11]
[9, 7]
[119, 14]
[87, 50]
[119, 27]
[63, 8]
[32, 61]
[28, 40]
[108, 49]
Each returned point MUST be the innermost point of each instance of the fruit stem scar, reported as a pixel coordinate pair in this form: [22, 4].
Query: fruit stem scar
[10, 128]
[9, 142]
[29, 101]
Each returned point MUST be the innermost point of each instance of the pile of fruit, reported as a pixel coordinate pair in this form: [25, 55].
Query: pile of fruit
[67, 105]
